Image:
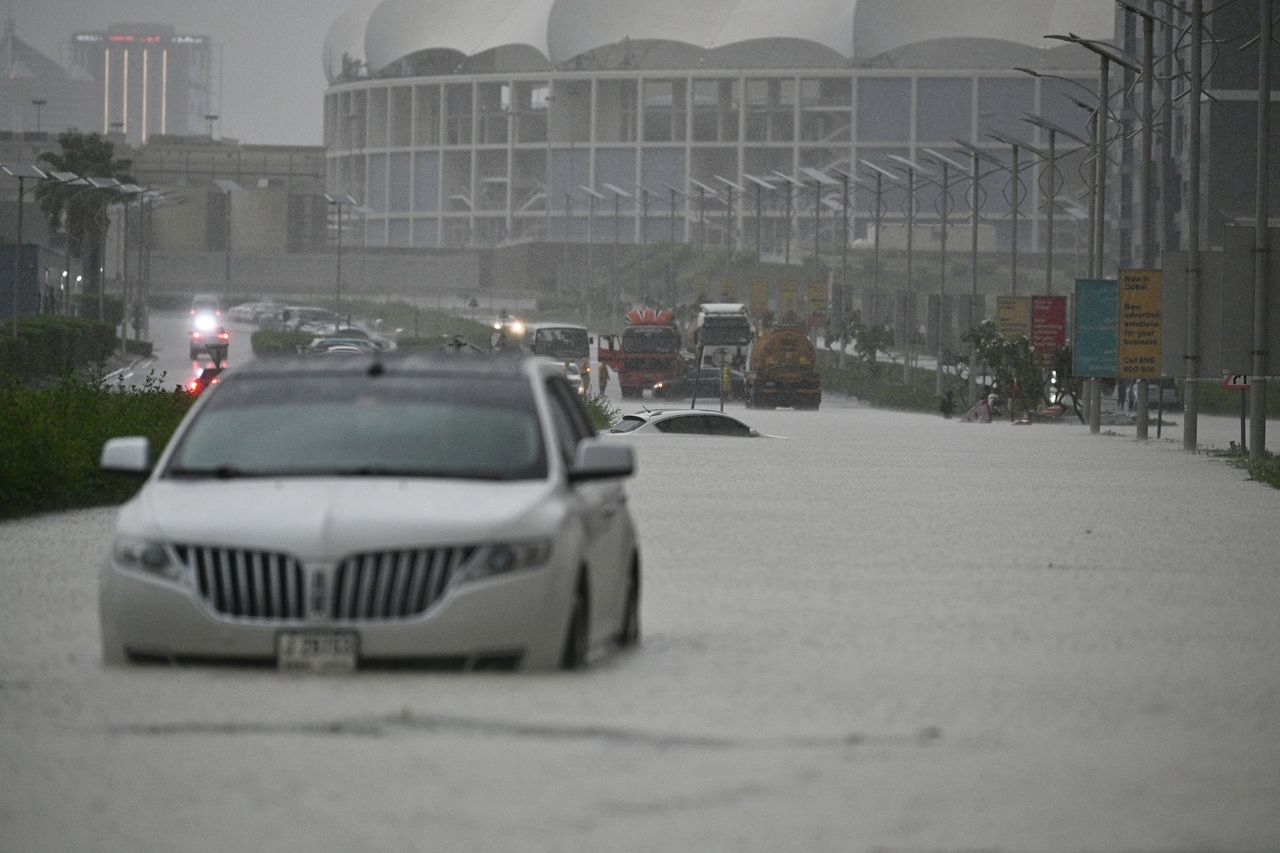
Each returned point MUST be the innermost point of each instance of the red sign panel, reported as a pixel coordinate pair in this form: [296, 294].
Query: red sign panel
[1048, 323]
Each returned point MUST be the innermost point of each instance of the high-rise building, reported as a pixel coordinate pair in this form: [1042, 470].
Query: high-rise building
[151, 79]
[38, 95]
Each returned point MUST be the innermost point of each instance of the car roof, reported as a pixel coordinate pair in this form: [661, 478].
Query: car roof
[401, 364]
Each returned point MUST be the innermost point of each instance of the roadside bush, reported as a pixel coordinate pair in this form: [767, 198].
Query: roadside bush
[51, 345]
[51, 439]
[267, 343]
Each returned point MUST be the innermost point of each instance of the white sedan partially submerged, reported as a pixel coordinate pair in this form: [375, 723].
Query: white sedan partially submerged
[379, 510]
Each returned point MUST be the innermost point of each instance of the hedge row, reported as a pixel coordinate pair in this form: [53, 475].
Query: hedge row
[49, 345]
[51, 439]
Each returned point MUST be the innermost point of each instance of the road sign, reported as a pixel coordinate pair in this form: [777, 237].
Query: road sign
[1235, 381]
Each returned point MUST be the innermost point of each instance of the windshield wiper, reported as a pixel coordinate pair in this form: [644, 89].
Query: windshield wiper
[218, 472]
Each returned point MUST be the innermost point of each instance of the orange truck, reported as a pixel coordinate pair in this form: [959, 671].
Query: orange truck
[647, 353]
[781, 371]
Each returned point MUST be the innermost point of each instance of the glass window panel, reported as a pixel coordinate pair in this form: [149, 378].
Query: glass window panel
[401, 116]
[398, 201]
[399, 233]
[426, 184]
[427, 116]
[426, 233]
[944, 108]
[617, 166]
[376, 192]
[1002, 102]
[884, 109]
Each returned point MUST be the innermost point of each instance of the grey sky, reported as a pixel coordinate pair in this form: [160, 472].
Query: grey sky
[272, 82]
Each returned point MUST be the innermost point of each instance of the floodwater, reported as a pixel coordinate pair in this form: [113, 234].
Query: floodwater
[877, 631]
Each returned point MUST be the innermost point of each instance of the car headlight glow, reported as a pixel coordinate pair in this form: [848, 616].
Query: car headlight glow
[148, 557]
[206, 322]
[507, 557]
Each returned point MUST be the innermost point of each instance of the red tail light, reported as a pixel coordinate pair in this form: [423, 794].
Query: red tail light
[194, 386]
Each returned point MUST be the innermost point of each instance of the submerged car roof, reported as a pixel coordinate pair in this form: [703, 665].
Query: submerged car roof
[398, 363]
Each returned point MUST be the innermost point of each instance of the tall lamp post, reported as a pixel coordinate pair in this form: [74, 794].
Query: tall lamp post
[908, 324]
[821, 180]
[789, 184]
[729, 211]
[1015, 201]
[227, 187]
[1051, 187]
[22, 172]
[761, 185]
[703, 192]
[127, 193]
[618, 195]
[38, 103]
[914, 170]
[338, 201]
[945, 164]
[1106, 55]
[642, 277]
[592, 198]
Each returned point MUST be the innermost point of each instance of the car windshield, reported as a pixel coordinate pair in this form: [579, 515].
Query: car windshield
[566, 342]
[327, 425]
[649, 339]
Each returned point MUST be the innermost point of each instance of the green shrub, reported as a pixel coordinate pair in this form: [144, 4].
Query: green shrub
[51, 439]
[267, 343]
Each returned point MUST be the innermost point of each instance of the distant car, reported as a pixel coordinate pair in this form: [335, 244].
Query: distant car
[214, 343]
[707, 381]
[684, 422]
[325, 514]
[251, 312]
[206, 313]
[360, 344]
[574, 374]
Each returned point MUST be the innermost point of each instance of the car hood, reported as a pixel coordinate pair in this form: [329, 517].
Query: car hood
[327, 518]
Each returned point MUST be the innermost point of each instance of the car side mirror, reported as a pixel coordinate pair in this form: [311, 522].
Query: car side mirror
[597, 459]
[131, 455]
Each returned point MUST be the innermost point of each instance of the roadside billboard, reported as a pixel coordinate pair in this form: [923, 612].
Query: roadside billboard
[1138, 337]
[1048, 325]
[1097, 305]
[1013, 315]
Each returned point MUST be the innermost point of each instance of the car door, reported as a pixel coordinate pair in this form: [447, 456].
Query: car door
[603, 507]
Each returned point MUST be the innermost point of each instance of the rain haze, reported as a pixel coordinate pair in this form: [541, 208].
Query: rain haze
[271, 53]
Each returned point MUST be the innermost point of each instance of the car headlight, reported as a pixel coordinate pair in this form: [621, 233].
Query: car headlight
[206, 322]
[508, 557]
[147, 557]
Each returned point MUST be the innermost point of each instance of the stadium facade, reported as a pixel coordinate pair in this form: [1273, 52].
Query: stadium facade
[483, 123]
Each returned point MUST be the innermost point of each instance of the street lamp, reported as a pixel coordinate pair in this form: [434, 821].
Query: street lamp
[338, 201]
[642, 277]
[127, 193]
[761, 185]
[1015, 202]
[227, 187]
[592, 198]
[908, 324]
[22, 172]
[789, 184]
[1106, 55]
[1051, 185]
[618, 195]
[100, 184]
[820, 180]
[38, 103]
[946, 164]
[703, 192]
[729, 211]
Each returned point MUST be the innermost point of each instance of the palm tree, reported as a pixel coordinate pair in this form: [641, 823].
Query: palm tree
[82, 211]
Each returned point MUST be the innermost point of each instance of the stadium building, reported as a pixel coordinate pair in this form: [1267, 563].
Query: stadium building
[484, 123]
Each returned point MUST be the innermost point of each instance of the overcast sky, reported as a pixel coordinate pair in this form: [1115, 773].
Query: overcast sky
[272, 80]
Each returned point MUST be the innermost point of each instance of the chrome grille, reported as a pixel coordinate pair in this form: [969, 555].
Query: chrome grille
[246, 584]
[393, 584]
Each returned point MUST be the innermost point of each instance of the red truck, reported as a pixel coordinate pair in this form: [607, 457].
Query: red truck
[648, 353]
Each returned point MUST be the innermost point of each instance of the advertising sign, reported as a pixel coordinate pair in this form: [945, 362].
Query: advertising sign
[1096, 327]
[1139, 332]
[1013, 314]
[1048, 324]
[759, 297]
[788, 303]
[817, 304]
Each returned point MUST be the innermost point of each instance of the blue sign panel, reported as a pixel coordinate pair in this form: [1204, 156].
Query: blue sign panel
[1097, 305]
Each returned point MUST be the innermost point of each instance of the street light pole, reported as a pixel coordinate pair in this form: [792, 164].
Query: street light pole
[38, 103]
[21, 172]
[1192, 358]
[1261, 237]
[338, 201]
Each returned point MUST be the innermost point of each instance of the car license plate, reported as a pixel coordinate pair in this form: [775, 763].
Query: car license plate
[316, 651]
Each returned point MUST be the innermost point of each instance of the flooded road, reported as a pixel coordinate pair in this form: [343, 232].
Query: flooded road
[877, 631]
